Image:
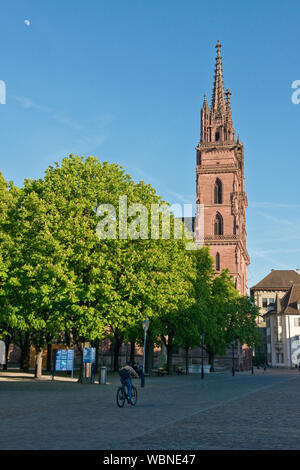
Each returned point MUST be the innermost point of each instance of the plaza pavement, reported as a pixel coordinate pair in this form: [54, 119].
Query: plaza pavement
[220, 412]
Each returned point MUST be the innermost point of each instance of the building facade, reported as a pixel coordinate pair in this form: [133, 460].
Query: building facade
[276, 297]
[220, 184]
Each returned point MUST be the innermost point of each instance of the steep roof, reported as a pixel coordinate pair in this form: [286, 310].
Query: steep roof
[278, 279]
[289, 303]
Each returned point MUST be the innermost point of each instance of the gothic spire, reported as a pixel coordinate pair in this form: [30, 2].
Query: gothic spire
[205, 120]
[218, 99]
[216, 123]
[229, 125]
[205, 105]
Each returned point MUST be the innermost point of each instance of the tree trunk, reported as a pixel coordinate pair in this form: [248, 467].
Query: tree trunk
[117, 346]
[68, 338]
[170, 357]
[25, 352]
[132, 352]
[49, 357]
[211, 358]
[38, 363]
[97, 346]
[187, 359]
[80, 349]
[149, 355]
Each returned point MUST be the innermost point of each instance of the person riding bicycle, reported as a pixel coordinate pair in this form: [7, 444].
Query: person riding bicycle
[125, 377]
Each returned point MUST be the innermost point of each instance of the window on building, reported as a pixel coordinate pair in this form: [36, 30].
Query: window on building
[264, 302]
[297, 321]
[218, 268]
[277, 358]
[218, 227]
[217, 136]
[271, 300]
[218, 192]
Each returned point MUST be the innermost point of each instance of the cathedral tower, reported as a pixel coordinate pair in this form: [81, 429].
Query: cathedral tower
[221, 184]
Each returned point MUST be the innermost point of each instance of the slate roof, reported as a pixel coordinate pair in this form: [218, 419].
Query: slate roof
[278, 279]
[289, 303]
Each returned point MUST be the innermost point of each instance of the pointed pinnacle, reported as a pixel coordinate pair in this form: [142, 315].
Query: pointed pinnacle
[219, 45]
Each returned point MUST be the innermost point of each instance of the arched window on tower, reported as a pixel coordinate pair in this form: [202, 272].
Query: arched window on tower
[218, 262]
[218, 192]
[218, 226]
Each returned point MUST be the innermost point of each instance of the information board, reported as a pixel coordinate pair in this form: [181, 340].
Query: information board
[64, 359]
[89, 355]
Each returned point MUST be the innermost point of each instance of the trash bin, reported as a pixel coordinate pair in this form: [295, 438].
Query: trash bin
[103, 375]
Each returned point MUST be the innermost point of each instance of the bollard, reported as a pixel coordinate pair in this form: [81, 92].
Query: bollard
[103, 375]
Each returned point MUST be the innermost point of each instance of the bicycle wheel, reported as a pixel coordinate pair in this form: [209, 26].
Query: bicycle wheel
[133, 395]
[120, 397]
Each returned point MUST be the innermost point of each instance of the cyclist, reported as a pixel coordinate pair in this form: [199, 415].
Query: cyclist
[125, 377]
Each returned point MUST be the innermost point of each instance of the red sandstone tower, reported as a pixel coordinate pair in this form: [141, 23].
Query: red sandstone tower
[221, 185]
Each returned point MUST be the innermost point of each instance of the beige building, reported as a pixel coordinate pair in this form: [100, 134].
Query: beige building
[276, 322]
[283, 329]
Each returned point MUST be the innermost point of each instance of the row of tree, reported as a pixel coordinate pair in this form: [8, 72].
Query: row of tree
[59, 281]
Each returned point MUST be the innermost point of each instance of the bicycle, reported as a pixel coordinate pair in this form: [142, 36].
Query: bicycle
[122, 395]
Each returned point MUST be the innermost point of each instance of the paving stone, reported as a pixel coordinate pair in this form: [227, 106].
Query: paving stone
[178, 412]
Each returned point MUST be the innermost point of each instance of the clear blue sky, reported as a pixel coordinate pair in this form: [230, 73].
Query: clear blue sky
[124, 80]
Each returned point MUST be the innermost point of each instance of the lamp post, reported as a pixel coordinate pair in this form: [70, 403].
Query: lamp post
[202, 357]
[232, 345]
[145, 327]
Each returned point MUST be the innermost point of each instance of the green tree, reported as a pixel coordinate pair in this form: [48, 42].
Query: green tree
[36, 279]
[8, 197]
[195, 320]
[173, 293]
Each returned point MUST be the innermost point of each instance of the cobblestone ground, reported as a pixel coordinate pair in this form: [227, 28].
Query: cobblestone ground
[220, 412]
